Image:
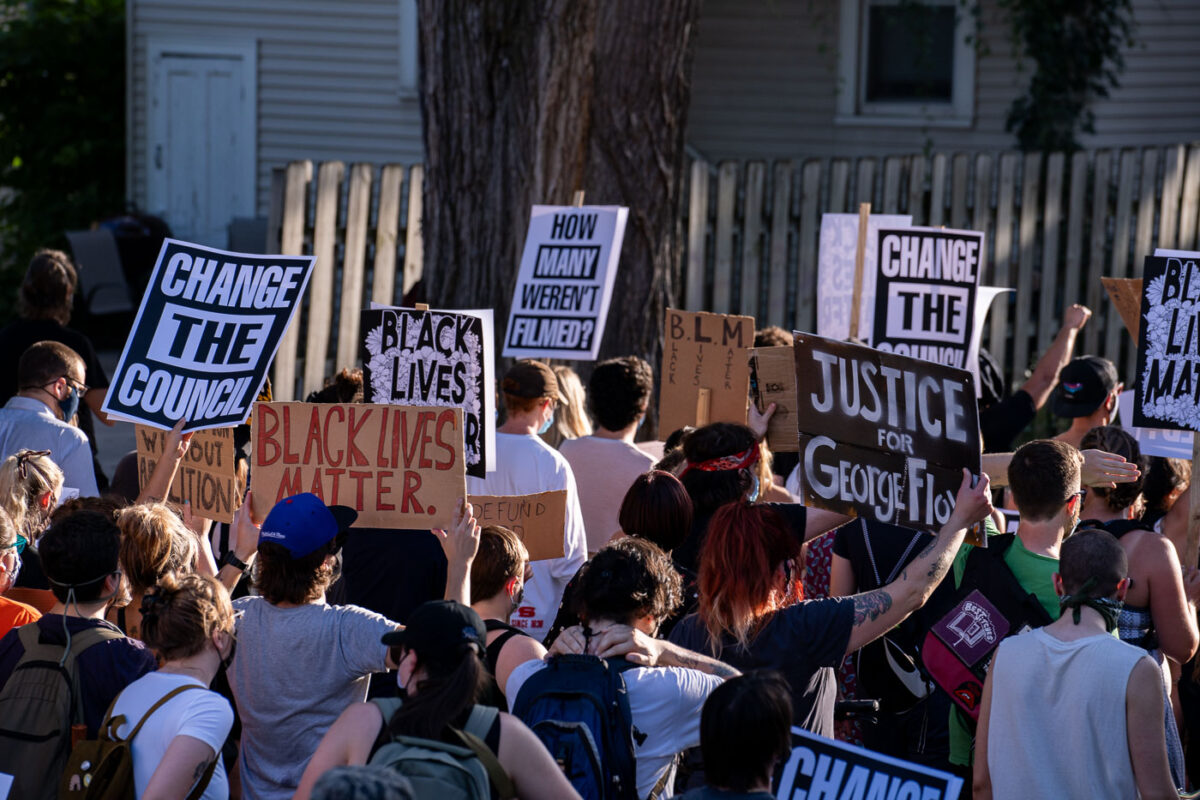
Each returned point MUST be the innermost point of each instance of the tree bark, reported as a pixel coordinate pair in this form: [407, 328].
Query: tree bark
[526, 102]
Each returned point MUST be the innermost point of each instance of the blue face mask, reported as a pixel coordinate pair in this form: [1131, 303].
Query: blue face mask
[546, 425]
[69, 405]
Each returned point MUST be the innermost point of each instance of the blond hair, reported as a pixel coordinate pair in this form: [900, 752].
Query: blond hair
[25, 477]
[571, 421]
[154, 543]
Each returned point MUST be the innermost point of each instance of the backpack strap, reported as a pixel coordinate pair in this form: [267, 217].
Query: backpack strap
[481, 720]
[497, 777]
[64, 658]
[657, 792]
[998, 577]
[112, 723]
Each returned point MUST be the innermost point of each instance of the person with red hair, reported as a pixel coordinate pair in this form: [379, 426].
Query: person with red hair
[751, 617]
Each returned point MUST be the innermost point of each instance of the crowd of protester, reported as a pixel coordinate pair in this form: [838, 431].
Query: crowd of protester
[698, 611]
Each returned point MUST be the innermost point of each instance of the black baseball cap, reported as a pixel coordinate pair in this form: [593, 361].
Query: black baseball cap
[439, 630]
[1083, 385]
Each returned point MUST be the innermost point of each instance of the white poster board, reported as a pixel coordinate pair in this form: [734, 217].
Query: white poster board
[565, 282]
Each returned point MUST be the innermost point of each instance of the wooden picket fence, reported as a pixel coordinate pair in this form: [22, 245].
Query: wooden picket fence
[1054, 223]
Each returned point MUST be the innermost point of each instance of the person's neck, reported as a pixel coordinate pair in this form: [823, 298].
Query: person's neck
[202, 666]
[40, 395]
[95, 610]
[520, 424]
[1079, 428]
[1090, 624]
[1095, 508]
[626, 434]
[316, 601]
[1042, 538]
[498, 607]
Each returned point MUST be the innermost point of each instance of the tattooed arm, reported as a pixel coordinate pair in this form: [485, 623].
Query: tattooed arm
[877, 612]
[185, 762]
[611, 641]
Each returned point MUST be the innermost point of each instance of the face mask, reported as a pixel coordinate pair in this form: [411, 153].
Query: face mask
[546, 425]
[752, 495]
[69, 405]
[1107, 608]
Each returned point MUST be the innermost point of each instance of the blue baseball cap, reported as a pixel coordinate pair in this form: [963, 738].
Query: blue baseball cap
[303, 524]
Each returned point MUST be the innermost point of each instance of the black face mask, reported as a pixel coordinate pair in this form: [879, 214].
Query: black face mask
[1107, 608]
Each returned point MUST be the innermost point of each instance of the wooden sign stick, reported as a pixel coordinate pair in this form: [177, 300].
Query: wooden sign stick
[577, 200]
[703, 406]
[1193, 530]
[864, 214]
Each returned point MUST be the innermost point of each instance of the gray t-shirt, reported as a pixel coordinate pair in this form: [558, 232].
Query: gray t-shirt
[295, 671]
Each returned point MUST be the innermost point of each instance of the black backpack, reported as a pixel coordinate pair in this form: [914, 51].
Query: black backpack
[988, 606]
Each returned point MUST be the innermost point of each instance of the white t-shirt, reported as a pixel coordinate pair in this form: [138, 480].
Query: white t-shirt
[527, 465]
[203, 715]
[665, 704]
[611, 467]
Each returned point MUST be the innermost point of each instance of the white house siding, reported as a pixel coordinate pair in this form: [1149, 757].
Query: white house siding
[328, 78]
[766, 74]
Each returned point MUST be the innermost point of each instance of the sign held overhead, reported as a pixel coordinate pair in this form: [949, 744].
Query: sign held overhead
[565, 282]
[705, 371]
[206, 332]
[880, 435]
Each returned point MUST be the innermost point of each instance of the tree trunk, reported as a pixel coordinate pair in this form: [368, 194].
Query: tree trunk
[525, 102]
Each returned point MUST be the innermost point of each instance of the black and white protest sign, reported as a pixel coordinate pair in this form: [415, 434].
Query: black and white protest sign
[565, 282]
[1168, 358]
[1168, 443]
[434, 358]
[825, 769]
[925, 294]
[881, 435]
[208, 327]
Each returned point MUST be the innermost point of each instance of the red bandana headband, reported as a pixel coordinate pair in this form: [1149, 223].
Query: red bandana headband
[725, 463]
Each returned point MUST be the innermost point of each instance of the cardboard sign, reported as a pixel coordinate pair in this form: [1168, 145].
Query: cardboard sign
[207, 330]
[880, 435]
[1168, 358]
[1153, 441]
[705, 369]
[538, 519]
[1126, 295]
[205, 477]
[398, 466]
[825, 768]
[565, 282]
[773, 380]
[434, 358]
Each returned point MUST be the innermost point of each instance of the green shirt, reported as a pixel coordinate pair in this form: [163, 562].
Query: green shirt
[1034, 572]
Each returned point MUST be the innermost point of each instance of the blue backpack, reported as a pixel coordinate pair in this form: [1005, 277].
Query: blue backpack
[579, 707]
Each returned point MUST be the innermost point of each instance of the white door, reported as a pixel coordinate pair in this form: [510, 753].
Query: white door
[201, 138]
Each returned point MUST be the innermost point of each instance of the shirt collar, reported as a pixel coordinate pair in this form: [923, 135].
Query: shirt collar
[30, 404]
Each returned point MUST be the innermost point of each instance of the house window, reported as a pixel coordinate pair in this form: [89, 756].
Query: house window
[906, 62]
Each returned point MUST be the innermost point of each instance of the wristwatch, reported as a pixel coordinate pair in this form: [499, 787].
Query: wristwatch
[232, 560]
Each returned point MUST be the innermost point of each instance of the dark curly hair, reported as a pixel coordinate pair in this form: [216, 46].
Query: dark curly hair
[711, 490]
[1112, 439]
[628, 579]
[279, 578]
[619, 390]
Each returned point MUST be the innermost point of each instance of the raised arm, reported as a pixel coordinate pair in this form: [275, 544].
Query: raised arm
[159, 485]
[461, 543]
[1099, 469]
[1045, 374]
[243, 543]
[877, 612]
